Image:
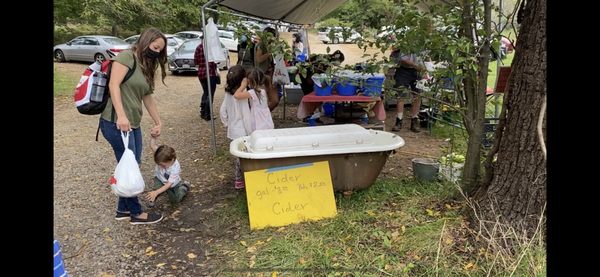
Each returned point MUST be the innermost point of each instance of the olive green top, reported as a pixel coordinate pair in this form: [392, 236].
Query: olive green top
[132, 92]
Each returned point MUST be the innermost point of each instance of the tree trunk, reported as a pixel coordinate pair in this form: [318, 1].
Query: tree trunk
[515, 191]
[113, 31]
[475, 102]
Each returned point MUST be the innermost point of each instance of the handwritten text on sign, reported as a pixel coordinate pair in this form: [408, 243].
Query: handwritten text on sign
[289, 194]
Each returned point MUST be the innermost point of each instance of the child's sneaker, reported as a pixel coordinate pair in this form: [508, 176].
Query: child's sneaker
[239, 185]
[122, 216]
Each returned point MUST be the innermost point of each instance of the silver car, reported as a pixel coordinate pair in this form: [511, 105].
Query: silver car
[182, 60]
[89, 48]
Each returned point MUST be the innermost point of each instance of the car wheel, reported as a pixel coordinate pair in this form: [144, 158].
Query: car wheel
[59, 56]
[99, 57]
[336, 40]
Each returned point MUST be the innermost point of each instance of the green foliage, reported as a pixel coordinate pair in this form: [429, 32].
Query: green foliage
[123, 18]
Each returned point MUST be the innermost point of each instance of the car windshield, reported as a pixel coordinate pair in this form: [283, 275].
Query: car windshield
[189, 46]
[171, 41]
[114, 41]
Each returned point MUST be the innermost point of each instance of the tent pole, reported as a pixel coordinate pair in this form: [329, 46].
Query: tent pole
[212, 121]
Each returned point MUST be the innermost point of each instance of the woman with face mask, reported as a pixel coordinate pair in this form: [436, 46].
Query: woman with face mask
[123, 113]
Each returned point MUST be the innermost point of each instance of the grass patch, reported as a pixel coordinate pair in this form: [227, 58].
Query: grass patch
[392, 228]
[64, 84]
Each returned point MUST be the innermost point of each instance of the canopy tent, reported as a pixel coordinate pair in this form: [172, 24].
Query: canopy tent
[290, 11]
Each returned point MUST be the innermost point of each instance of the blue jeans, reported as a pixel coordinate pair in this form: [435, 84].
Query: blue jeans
[113, 136]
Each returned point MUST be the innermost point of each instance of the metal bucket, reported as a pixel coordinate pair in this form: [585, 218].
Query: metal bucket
[425, 169]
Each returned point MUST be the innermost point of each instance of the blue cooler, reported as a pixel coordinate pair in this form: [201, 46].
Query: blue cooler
[373, 84]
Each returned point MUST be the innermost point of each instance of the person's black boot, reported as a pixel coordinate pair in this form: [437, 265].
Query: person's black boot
[414, 124]
[398, 126]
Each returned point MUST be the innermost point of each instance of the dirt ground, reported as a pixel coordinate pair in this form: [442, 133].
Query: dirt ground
[95, 244]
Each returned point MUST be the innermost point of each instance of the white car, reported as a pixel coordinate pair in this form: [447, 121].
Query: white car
[336, 35]
[185, 35]
[228, 39]
[173, 42]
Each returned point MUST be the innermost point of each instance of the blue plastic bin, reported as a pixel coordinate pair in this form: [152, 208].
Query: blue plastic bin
[374, 85]
[322, 91]
[329, 109]
[345, 89]
[59, 266]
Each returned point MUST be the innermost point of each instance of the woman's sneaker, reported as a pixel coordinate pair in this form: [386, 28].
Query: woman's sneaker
[239, 185]
[151, 218]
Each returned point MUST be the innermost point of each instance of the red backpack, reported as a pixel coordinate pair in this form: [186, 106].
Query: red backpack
[91, 93]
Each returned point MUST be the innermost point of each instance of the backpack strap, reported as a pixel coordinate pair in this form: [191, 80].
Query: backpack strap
[130, 72]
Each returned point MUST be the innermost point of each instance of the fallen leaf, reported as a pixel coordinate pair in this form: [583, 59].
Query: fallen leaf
[280, 229]
[106, 275]
[161, 264]
[301, 261]
[151, 253]
[274, 274]
[251, 249]
[260, 242]
[191, 255]
[449, 241]
[469, 266]
[403, 229]
[395, 235]
[251, 265]
[173, 267]
[148, 249]
[243, 243]
[269, 239]
[106, 230]
[371, 213]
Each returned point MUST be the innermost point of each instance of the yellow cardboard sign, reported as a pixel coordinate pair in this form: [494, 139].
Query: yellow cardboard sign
[289, 194]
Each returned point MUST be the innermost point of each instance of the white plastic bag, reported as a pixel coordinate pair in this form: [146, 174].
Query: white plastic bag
[213, 44]
[127, 181]
[280, 74]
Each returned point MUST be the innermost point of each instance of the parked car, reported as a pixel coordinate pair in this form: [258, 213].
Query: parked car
[185, 35]
[338, 34]
[173, 42]
[228, 39]
[182, 60]
[89, 48]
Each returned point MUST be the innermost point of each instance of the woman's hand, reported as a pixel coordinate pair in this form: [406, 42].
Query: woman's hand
[155, 131]
[123, 124]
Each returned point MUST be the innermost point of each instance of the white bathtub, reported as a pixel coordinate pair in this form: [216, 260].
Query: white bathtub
[356, 155]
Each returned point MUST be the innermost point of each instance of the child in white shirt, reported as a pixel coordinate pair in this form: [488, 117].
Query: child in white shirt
[166, 175]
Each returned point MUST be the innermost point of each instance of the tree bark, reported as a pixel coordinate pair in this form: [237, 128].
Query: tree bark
[515, 191]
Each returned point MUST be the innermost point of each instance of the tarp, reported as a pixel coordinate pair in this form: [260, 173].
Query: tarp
[291, 11]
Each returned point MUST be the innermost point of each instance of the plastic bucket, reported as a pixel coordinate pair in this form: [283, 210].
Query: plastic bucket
[425, 169]
[373, 86]
[346, 89]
